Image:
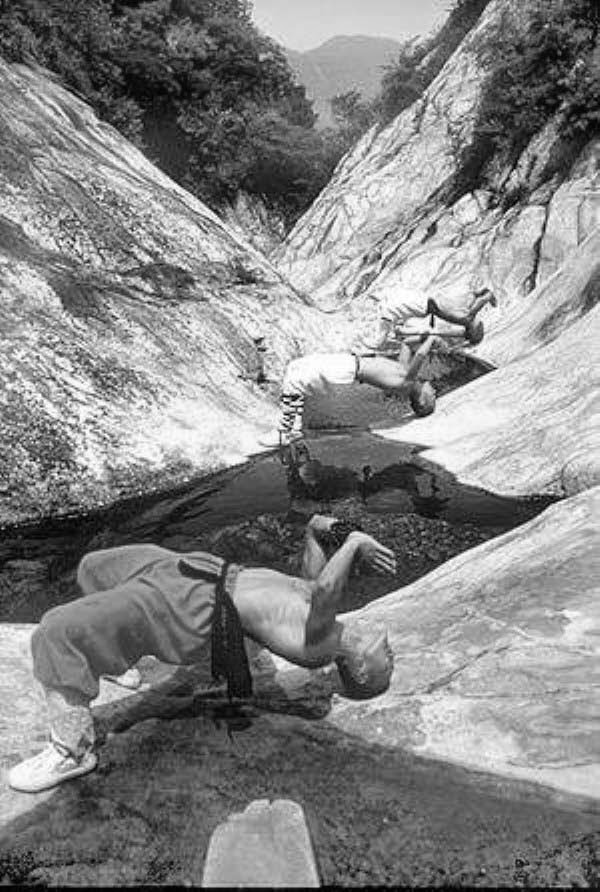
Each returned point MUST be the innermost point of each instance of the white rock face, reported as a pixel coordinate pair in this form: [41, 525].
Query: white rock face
[517, 430]
[562, 299]
[381, 189]
[573, 212]
[497, 655]
[254, 222]
[127, 316]
[383, 225]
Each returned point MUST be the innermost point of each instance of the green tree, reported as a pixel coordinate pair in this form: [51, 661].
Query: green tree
[352, 113]
[401, 85]
[550, 70]
[191, 81]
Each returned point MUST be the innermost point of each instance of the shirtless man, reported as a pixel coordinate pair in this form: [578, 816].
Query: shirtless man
[404, 305]
[318, 371]
[143, 599]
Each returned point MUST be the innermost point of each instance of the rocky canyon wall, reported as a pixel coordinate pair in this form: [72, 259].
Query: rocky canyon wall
[388, 219]
[128, 313]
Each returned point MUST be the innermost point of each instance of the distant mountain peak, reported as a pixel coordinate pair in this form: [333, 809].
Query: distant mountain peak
[342, 63]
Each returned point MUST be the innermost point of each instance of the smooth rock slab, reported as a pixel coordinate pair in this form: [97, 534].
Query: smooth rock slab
[517, 429]
[497, 655]
[128, 316]
[268, 844]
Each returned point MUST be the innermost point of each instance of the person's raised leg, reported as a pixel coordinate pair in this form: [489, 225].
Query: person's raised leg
[482, 297]
[102, 570]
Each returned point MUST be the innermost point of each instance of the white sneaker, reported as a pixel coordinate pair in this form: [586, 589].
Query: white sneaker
[130, 679]
[49, 768]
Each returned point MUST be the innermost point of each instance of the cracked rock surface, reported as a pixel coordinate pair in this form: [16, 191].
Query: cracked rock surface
[534, 424]
[497, 658]
[495, 684]
[392, 219]
[128, 313]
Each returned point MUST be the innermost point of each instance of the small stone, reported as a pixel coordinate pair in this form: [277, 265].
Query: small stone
[267, 845]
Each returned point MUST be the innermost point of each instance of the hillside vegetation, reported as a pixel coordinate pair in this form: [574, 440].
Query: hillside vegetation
[209, 98]
[216, 105]
[192, 82]
[550, 71]
[404, 79]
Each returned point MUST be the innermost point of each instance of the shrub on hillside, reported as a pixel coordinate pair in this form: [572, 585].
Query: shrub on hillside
[552, 70]
[192, 81]
[414, 69]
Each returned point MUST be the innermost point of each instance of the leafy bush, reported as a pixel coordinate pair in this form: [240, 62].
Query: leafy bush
[406, 79]
[211, 100]
[550, 70]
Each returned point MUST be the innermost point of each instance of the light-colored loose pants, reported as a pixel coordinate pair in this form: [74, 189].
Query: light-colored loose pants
[312, 373]
[136, 602]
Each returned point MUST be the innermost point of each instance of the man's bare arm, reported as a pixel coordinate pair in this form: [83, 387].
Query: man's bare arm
[313, 557]
[333, 579]
[421, 355]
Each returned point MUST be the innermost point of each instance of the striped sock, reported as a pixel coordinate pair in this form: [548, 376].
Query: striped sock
[292, 407]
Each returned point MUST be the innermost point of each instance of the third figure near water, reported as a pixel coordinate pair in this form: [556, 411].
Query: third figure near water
[391, 364]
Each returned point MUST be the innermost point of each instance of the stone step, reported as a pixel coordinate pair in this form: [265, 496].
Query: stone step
[268, 844]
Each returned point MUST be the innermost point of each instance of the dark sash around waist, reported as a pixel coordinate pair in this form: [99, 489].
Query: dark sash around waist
[228, 654]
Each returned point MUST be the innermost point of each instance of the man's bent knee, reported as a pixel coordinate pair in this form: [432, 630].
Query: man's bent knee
[86, 576]
[55, 625]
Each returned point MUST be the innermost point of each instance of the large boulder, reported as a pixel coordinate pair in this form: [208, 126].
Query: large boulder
[128, 315]
[568, 294]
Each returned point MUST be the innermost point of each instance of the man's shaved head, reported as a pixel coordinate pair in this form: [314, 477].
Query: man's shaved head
[422, 398]
[365, 668]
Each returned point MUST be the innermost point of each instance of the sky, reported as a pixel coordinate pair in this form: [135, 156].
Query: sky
[304, 24]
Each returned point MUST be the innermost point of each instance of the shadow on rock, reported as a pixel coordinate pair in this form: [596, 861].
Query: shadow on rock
[189, 692]
[168, 776]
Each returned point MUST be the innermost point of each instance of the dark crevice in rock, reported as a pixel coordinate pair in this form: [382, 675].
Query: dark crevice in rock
[531, 280]
[445, 680]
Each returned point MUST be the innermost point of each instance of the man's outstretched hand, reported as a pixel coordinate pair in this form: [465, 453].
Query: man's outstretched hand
[330, 532]
[374, 554]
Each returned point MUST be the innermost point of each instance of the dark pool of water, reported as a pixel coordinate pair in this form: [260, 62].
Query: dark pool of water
[255, 513]
[383, 486]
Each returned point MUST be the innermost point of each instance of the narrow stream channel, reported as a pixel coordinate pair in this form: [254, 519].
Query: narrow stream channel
[255, 513]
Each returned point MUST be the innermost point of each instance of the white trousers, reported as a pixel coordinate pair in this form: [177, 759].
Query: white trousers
[318, 371]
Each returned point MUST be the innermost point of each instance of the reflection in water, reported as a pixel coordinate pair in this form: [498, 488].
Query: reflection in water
[412, 485]
[309, 478]
[255, 514]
